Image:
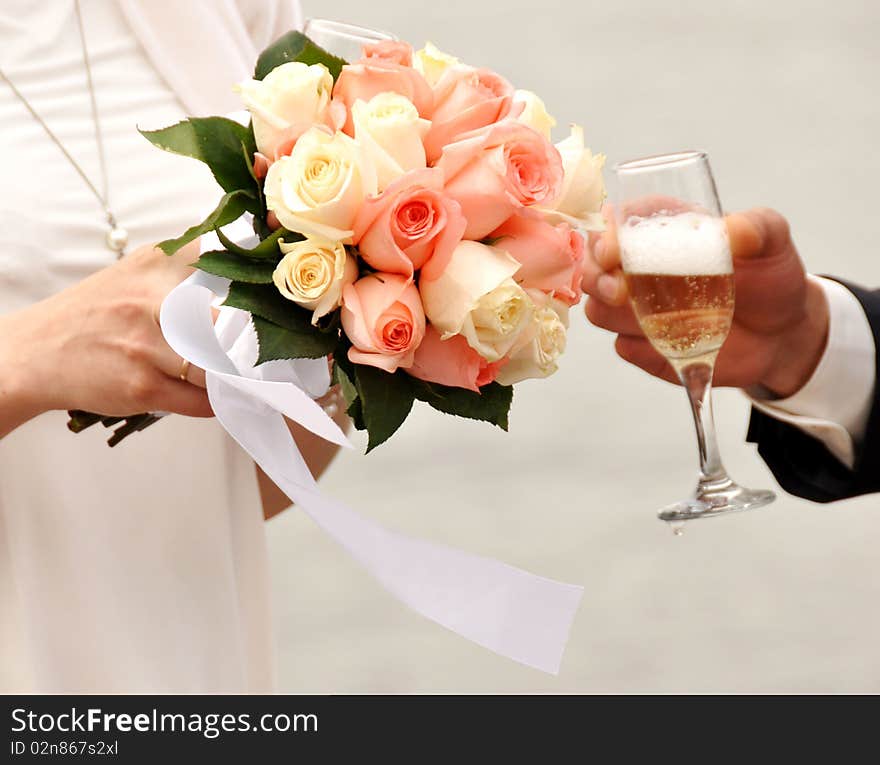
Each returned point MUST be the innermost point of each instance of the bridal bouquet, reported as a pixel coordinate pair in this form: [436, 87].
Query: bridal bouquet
[413, 222]
[416, 224]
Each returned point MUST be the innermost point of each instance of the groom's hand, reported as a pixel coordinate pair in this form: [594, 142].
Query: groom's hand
[780, 323]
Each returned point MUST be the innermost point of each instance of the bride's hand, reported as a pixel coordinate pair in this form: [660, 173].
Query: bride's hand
[97, 346]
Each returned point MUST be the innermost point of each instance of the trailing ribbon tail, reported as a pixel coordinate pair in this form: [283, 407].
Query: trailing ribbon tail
[509, 611]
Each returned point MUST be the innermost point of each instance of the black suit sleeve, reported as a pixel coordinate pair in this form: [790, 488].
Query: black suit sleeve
[801, 464]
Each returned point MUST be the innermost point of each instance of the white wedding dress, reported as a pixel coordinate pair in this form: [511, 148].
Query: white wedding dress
[140, 568]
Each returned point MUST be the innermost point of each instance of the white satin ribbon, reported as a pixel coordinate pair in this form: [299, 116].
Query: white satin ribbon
[512, 612]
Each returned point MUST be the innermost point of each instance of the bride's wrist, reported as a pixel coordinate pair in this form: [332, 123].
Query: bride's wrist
[21, 395]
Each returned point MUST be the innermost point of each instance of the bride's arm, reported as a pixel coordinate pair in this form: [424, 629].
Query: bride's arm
[19, 401]
[317, 453]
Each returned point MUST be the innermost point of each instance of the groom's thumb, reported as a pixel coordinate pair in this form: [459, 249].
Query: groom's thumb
[757, 233]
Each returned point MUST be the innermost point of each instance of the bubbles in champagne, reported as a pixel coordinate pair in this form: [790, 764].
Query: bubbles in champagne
[682, 244]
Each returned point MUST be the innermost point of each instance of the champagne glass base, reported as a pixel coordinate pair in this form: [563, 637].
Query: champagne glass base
[716, 498]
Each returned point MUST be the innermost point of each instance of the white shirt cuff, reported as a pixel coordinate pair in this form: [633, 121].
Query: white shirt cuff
[834, 405]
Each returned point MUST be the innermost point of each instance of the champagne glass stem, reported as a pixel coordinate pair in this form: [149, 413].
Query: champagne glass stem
[697, 381]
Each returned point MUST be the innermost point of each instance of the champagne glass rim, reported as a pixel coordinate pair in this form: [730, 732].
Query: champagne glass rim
[351, 31]
[661, 160]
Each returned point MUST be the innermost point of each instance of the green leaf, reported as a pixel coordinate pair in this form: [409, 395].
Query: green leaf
[266, 301]
[180, 139]
[356, 412]
[343, 374]
[345, 383]
[230, 208]
[233, 267]
[295, 46]
[281, 343]
[284, 329]
[267, 249]
[222, 144]
[385, 401]
[491, 404]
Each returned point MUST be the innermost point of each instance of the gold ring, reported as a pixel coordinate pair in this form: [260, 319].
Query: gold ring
[184, 369]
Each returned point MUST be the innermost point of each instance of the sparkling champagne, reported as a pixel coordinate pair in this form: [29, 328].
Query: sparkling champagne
[683, 316]
[680, 279]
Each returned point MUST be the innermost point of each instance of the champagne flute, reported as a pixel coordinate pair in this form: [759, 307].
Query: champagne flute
[676, 259]
[341, 39]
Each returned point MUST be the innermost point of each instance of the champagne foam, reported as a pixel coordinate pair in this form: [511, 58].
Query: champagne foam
[675, 245]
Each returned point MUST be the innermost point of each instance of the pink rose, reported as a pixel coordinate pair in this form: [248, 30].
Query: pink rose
[393, 51]
[552, 257]
[466, 99]
[409, 223]
[498, 170]
[452, 362]
[371, 76]
[334, 119]
[383, 318]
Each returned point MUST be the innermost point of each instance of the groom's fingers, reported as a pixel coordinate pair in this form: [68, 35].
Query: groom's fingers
[638, 351]
[757, 233]
[603, 278]
[602, 246]
[608, 286]
[617, 319]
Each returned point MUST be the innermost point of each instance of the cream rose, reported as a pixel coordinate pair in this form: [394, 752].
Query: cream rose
[475, 296]
[286, 102]
[313, 273]
[320, 187]
[583, 188]
[540, 345]
[389, 129]
[432, 63]
[534, 113]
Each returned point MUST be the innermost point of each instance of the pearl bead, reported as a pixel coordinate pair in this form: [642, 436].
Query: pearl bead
[117, 239]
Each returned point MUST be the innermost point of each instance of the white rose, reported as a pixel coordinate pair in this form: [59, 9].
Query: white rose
[389, 129]
[540, 344]
[583, 188]
[476, 297]
[534, 113]
[320, 187]
[432, 63]
[313, 273]
[291, 95]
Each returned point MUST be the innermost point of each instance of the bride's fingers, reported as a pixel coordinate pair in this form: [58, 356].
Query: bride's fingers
[170, 363]
[167, 271]
[185, 256]
[196, 376]
[182, 398]
[173, 366]
[189, 254]
[638, 351]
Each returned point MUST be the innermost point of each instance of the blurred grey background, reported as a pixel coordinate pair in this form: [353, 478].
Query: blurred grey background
[784, 97]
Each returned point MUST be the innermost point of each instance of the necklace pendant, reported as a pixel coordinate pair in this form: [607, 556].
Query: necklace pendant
[117, 239]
